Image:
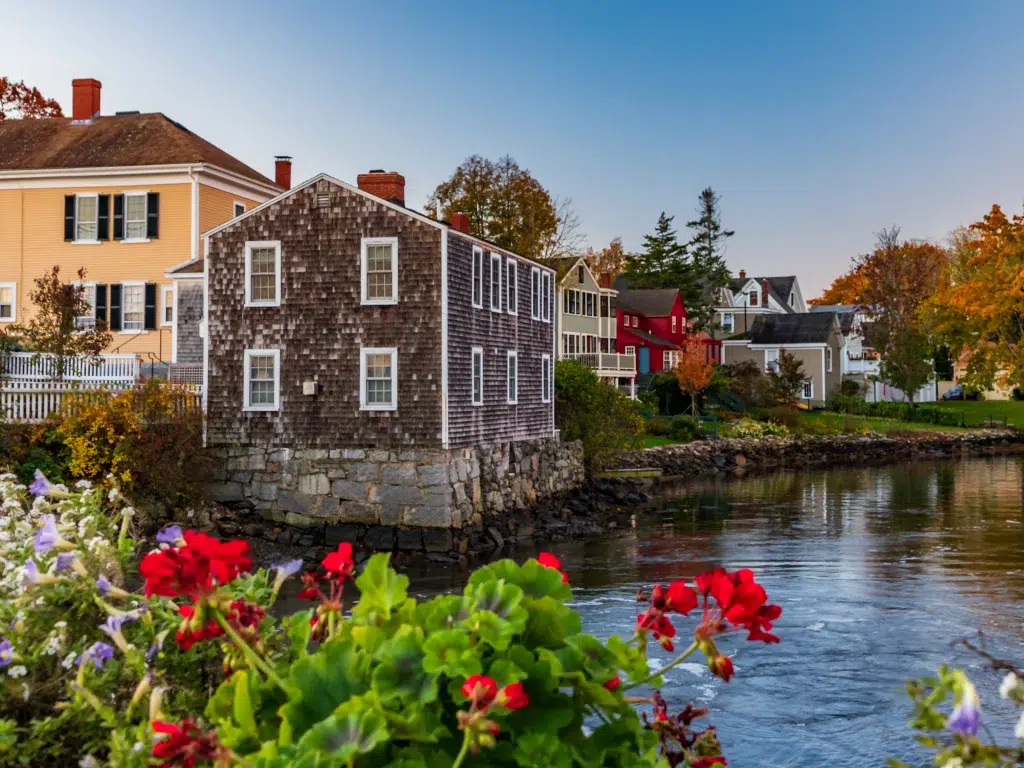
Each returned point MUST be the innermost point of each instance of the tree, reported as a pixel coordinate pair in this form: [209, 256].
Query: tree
[694, 371]
[610, 260]
[785, 381]
[568, 237]
[900, 276]
[54, 328]
[663, 262]
[845, 289]
[707, 275]
[505, 205]
[18, 101]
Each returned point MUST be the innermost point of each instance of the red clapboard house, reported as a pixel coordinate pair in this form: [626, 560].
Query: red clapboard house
[652, 324]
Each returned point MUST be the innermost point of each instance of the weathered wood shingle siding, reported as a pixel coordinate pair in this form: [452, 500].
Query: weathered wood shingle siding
[469, 326]
[321, 325]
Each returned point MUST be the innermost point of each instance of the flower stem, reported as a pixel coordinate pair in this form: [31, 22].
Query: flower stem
[675, 662]
[250, 654]
[464, 751]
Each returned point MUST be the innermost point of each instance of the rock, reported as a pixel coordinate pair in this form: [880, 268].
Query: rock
[400, 474]
[495, 535]
[363, 473]
[350, 490]
[379, 538]
[335, 534]
[315, 485]
[409, 539]
[740, 459]
[434, 475]
[439, 541]
[358, 512]
[428, 516]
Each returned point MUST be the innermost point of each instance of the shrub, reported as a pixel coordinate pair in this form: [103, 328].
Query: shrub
[785, 415]
[648, 400]
[749, 428]
[746, 381]
[851, 388]
[684, 427]
[841, 403]
[657, 426]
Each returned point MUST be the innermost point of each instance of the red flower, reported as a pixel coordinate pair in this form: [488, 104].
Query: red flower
[185, 745]
[339, 564]
[721, 666]
[550, 561]
[512, 696]
[655, 621]
[680, 598]
[195, 568]
[708, 762]
[612, 684]
[246, 615]
[480, 689]
[310, 582]
[740, 600]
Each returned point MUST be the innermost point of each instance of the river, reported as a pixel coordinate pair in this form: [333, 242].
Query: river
[878, 570]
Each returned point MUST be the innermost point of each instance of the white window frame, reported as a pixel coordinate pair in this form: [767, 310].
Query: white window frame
[753, 298]
[96, 238]
[14, 303]
[545, 378]
[167, 301]
[771, 356]
[535, 304]
[512, 286]
[546, 297]
[807, 393]
[145, 216]
[828, 359]
[250, 246]
[476, 295]
[91, 286]
[364, 245]
[246, 372]
[476, 354]
[234, 208]
[669, 359]
[673, 323]
[363, 354]
[512, 365]
[124, 305]
[495, 259]
[630, 350]
[731, 327]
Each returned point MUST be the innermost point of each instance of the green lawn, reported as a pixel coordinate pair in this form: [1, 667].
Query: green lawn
[978, 411]
[875, 425]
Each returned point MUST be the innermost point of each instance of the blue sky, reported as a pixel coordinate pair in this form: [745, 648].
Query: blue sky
[819, 123]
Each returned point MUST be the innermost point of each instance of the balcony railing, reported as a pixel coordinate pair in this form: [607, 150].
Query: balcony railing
[606, 362]
[862, 365]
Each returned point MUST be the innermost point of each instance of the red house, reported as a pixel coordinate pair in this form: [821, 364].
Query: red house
[652, 324]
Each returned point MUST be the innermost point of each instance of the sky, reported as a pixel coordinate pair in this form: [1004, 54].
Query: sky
[818, 123]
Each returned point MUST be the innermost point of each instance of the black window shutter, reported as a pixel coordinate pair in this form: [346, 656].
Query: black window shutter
[115, 307]
[119, 217]
[153, 215]
[103, 217]
[150, 306]
[101, 304]
[69, 217]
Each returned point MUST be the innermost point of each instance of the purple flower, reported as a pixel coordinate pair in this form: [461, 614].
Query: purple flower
[154, 649]
[6, 652]
[96, 654]
[103, 585]
[40, 486]
[112, 626]
[966, 718]
[286, 569]
[47, 536]
[64, 561]
[31, 572]
[170, 535]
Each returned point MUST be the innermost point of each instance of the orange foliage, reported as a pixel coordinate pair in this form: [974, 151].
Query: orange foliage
[845, 289]
[18, 100]
[610, 260]
[693, 371]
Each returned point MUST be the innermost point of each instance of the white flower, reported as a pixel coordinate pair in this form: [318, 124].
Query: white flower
[69, 660]
[953, 762]
[18, 671]
[113, 494]
[60, 625]
[83, 484]
[1019, 730]
[25, 691]
[88, 762]
[1008, 684]
[52, 646]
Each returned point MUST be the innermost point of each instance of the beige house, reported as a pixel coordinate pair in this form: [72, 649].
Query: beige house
[747, 298]
[815, 339]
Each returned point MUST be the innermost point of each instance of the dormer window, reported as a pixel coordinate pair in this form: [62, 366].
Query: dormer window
[580, 274]
[753, 297]
[792, 299]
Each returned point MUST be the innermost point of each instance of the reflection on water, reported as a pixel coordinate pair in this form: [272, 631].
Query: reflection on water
[879, 570]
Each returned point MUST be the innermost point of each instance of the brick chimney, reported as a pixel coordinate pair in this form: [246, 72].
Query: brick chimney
[743, 274]
[389, 185]
[764, 293]
[460, 221]
[85, 98]
[283, 171]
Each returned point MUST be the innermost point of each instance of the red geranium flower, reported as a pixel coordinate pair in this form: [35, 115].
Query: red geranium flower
[721, 666]
[310, 584]
[185, 745]
[740, 600]
[658, 623]
[480, 689]
[339, 564]
[512, 696]
[612, 684]
[707, 762]
[550, 561]
[680, 598]
[195, 568]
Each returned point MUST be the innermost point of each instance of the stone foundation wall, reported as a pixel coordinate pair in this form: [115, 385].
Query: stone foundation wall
[381, 493]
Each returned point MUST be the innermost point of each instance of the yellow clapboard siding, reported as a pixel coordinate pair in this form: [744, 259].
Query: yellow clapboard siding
[217, 206]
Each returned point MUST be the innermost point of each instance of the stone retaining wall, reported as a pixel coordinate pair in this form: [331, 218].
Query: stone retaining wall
[411, 499]
[710, 457]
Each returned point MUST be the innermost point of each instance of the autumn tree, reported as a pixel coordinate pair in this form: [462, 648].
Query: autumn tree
[784, 381]
[508, 206]
[55, 328]
[845, 289]
[19, 101]
[900, 277]
[610, 260]
[707, 274]
[663, 262]
[693, 371]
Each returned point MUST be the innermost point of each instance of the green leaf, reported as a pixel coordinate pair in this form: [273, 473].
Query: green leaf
[550, 623]
[504, 671]
[322, 681]
[449, 653]
[542, 749]
[400, 674]
[355, 728]
[243, 709]
[534, 579]
[441, 613]
[382, 591]
[299, 632]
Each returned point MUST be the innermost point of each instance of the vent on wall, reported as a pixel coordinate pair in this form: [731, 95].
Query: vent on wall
[323, 199]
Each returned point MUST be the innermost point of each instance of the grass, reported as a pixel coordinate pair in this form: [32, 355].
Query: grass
[822, 419]
[977, 411]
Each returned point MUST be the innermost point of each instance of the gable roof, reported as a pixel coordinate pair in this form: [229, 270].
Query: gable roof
[563, 265]
[110, 141]
[778, 287]
[795, 328]
[650, 338]
[651, 301]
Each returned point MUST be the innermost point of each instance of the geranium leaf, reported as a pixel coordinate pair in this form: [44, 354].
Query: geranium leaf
[382, 591]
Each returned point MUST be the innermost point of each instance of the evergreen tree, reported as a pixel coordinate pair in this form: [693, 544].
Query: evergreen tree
[707, 249]
[663, 262]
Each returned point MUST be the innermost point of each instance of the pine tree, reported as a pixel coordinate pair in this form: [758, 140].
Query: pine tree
[707, 249]
[663, 262]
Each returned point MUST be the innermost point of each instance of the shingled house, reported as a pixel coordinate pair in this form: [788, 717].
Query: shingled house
[366, 363]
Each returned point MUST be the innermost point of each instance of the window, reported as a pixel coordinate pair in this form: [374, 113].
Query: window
[380, 270]
[808, 389]
[535, 293]
[546, 297]
[545, 378]
[167, 305]
[87, 320]
[673, 324]
[579, 274]
[496, 282]
[478, 276]
[378, 375]
[513, 377]
[133, 303]
[636, 321]
[86, 215]
[771, 359]
[670, 359]
[8, 301]
[135, 216]
[728, 322]
[792, 299]
[631, 351]
[238, 209]
[262, 380]
[478, 375]
[263, 273]
[828, 359]
[753, 297]
[512, 286]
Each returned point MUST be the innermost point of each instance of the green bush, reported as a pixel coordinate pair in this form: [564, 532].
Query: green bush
[684, 428]
[785, 415]
[599, 415]
[749, 428]
[658, 426]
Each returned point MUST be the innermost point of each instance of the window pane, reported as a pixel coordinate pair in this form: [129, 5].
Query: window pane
[86, 218]
[261, 380]
[379, 272]
[88, 320]
[6, 303]
[135, 217]
[263, 274]
[134, 299]
[378, 380]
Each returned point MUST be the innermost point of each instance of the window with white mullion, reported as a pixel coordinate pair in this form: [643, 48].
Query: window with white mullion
[496, 282]
[512, 286]
[86, 216]
[535, 293]
[263, 273]
[379, 270]
[135, 216]
[478, 375]
[8, 301]
[378, 379]
[87, 320]
[546, 297]
[133, 306]
[478, 277]
[545, 378]
[512, 380]
[262, 379]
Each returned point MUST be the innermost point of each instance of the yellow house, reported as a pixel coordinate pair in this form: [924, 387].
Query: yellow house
[124, 197]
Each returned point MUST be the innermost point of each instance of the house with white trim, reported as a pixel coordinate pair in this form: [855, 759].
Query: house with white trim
[747, 298]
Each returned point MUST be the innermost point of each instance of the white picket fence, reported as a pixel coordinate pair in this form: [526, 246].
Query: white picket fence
[34, 401]
[109, 369]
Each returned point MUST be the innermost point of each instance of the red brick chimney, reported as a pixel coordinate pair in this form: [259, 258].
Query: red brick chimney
[85, 98]
[460, 221]
[283, 171]
[764, 293]
[743, 274]
[389, 185]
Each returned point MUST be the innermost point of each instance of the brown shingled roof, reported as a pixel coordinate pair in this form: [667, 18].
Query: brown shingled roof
[110, 141]
[188, 268]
